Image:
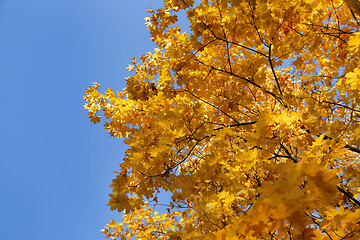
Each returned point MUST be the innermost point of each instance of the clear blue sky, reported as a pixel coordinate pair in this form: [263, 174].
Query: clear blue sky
[55, 165]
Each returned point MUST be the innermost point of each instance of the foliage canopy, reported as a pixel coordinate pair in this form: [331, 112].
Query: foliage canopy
[250, 121]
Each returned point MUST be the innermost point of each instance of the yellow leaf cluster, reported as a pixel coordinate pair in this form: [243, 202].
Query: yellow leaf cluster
[249, 122]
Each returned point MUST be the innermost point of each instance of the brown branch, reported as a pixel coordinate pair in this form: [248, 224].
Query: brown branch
[247, 80]
[349, 195]
[273, 71]
[347, 146]
[236, 125]
[212, 105]
[242, 46]
[351, 148]
[227, 43]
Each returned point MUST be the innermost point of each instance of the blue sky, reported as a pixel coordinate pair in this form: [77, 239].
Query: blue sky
[55, 165]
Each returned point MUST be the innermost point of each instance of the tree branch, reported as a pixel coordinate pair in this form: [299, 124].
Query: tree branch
[350, 196]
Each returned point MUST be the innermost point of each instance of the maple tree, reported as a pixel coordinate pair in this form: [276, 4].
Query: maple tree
[249, 121]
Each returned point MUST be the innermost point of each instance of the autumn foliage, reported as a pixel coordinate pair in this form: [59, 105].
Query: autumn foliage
[249, 119]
